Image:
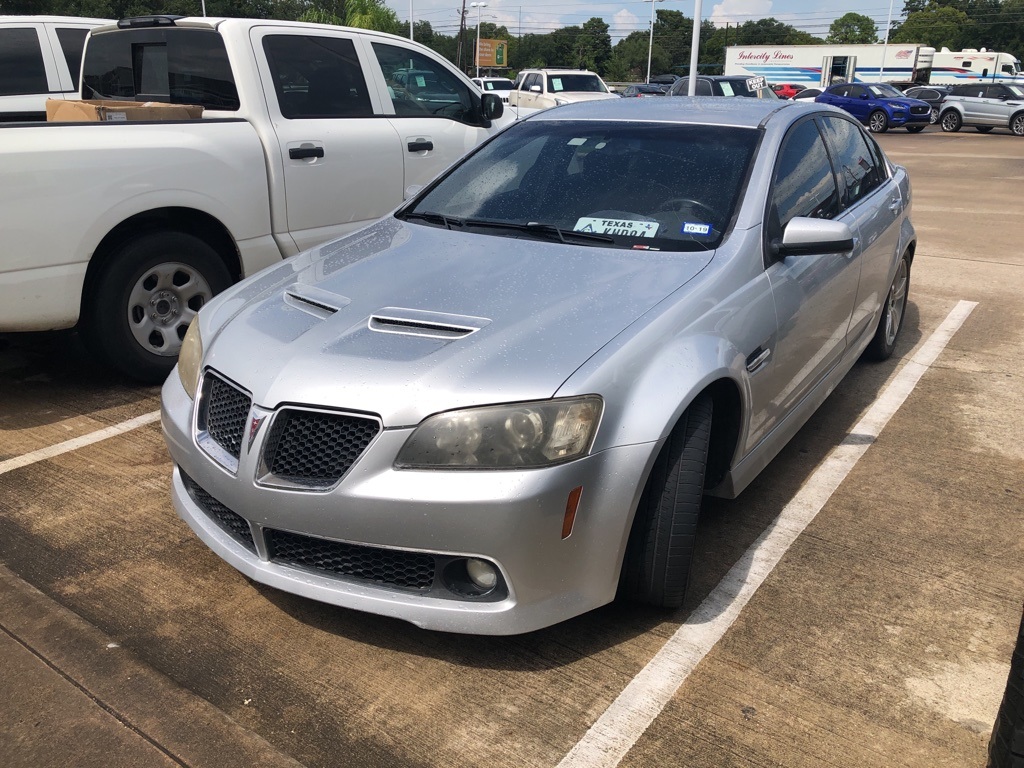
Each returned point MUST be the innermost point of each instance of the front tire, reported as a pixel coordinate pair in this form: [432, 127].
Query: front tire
[951, 121]
[893, 312]
[144, 298]
[1017, 124]
[656, 567]
[878, 122]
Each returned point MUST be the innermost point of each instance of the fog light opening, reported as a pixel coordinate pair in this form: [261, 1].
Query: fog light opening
[482, 574]
[471, 577]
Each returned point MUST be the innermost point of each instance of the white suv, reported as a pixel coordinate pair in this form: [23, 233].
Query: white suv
[984, 106]
[543, 88]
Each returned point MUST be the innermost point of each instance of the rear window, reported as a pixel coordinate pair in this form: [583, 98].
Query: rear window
[179, 66]
[21, 63]
[637, 185]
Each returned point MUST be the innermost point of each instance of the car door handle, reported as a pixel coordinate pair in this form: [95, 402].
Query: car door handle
[757, 358]
[894, 205]
[304, 153]
[421, 145]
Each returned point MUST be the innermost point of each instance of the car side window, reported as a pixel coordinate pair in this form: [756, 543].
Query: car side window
[72, 41]
[855, 163]
[855, 92]
[317, 77]
[803, 183]
[532, 79]
[21, 62]
[704, 88]
[420, 86]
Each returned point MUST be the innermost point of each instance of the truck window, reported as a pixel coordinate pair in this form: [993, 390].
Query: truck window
[419, 86]
[21, 63]
[176, 65]
[72, 41]
[317, 77]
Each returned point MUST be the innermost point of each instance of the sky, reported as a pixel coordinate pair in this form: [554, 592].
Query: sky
[540, 16]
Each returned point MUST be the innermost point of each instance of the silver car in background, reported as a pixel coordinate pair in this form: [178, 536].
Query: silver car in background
[500, 406]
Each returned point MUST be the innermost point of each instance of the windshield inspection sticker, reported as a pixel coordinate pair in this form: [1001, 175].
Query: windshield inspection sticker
[624, 227]
[692, 228]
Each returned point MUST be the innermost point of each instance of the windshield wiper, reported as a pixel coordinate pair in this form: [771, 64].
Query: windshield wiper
[535, 227]
[434, 218]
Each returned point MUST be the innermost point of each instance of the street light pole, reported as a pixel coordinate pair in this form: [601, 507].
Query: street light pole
[410, 19]
[478, 6]
[694, 50]
[650, 42]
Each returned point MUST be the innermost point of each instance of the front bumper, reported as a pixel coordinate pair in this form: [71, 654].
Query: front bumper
[512, 519]
[910, 119]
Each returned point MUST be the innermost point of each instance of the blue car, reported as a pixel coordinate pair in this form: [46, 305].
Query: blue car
[879, 106]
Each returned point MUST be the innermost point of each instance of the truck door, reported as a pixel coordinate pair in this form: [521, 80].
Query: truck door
[341, 158]
[432, 109]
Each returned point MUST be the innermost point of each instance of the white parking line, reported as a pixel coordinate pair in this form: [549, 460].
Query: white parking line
[617, 730]
[79, 442]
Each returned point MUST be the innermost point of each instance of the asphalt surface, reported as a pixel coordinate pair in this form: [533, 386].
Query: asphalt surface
[881, 638]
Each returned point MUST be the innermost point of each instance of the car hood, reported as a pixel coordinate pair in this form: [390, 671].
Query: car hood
[405, 320]
[906, 102]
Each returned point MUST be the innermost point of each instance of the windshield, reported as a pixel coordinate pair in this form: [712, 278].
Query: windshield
[885, 92]
[591, 83]
[1016, 90]
[656, 186]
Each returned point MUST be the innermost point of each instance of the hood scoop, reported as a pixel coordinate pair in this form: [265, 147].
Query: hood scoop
[314, 301]
[425, 324]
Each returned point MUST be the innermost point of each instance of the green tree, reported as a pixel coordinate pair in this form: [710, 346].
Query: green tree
[628, 62]
[372, 14]
[851, 29]
[936, 27]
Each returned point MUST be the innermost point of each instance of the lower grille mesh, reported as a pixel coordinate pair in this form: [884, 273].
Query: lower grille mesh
[391, 567]
[236, 525]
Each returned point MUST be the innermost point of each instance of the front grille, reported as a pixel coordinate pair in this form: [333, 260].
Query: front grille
[236, 525]
[387, 567]
[316, 449]
[226, 410]
[920, 110]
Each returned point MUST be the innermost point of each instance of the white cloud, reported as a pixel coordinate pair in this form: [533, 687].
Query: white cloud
[739, 11]
[622, 22]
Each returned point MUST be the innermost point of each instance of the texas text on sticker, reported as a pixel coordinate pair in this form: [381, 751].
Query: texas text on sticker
[691, 228]
[624, 227]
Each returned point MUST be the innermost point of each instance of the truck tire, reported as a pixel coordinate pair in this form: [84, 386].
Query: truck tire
[951, 121]
[1006, 747]
[656, 567]
[143, 299]
[1017, 124]
[878, 121]
[894, 310]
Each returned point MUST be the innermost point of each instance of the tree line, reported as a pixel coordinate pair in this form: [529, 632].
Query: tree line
[956, 24]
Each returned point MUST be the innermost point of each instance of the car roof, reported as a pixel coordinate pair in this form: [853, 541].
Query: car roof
[696, 110]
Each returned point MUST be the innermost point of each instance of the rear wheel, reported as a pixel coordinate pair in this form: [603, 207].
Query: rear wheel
[878, 122]
[893, 311]
[983, 128]
[1017, 124]
[656, 568]
[951, 121]
[145, 297]
[915, 128]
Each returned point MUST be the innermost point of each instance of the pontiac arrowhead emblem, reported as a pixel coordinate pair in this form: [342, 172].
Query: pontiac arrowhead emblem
[255, 422]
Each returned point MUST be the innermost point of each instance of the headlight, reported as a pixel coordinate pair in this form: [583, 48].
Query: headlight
[190, 359]
[513, 436]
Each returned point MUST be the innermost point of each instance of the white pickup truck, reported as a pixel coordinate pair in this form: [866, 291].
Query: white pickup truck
[309, 132]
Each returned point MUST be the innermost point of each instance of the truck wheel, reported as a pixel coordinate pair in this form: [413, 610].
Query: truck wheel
[878, 122]
[1006, 746]
[656, 567]
[915, 128]
[145, 297]
[983, 128]
[1017, 124]
[951, 121]
[893, 311]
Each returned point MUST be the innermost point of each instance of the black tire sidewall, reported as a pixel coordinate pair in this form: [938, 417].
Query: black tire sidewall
[105, 308]
[879, 348]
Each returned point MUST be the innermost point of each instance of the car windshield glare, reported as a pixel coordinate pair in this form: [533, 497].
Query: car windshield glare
[654, 186]
[885, 91]
[1016, 90]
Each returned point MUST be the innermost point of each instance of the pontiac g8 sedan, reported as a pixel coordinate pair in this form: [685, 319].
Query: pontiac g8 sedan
[500, 406]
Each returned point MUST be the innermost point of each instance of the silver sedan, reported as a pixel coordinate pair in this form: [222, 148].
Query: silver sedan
[500, 406]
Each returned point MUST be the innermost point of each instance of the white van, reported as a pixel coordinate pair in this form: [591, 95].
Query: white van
[40, 58]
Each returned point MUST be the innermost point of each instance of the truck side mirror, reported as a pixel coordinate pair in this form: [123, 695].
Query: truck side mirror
[535, 88]
[491, 108]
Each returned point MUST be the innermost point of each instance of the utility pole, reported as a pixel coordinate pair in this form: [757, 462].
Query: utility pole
[462, 32]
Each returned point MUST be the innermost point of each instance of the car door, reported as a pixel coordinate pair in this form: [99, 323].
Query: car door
[872, 207]
[28, 72]
[342, 159]
[527, 96]
[437, 115]
[814, 294]
[992, 109]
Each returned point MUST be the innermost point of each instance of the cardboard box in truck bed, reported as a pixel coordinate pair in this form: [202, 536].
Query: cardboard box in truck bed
[98, 111]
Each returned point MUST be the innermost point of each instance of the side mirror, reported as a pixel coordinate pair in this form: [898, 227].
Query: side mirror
[491, 108]
[864, 96]
[535, 88]
[805, 236]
